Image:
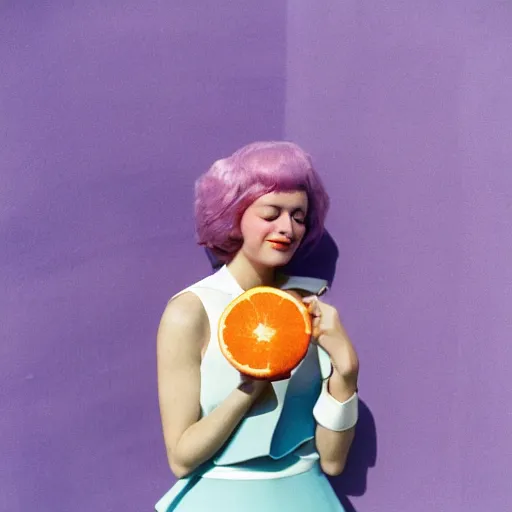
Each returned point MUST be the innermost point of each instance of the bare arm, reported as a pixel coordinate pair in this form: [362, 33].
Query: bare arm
[189, 439]
[332, 446]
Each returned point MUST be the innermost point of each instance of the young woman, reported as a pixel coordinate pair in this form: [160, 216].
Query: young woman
[236, 443]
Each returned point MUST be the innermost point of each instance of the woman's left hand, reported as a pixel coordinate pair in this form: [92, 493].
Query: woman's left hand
[330, 334]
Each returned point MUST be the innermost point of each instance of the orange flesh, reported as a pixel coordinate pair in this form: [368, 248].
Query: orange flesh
[265, 334]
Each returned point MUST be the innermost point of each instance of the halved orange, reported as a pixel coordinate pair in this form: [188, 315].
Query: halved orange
[265, 332]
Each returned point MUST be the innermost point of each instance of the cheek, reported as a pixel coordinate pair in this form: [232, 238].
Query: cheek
[300, 231]
[255, 228]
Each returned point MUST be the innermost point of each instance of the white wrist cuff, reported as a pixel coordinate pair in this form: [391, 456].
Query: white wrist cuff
[334, 415]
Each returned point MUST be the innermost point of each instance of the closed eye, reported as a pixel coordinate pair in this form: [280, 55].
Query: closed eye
[299, 216]
[272, 213]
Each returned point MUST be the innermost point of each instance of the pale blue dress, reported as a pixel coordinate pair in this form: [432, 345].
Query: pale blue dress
[270, 463]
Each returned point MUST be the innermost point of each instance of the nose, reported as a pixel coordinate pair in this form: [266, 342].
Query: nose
[284, 225]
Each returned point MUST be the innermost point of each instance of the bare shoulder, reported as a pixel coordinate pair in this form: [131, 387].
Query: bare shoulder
[185, 310]
[184, 322]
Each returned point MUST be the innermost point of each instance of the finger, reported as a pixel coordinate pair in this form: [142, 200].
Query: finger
[313, 306]
[310, 299]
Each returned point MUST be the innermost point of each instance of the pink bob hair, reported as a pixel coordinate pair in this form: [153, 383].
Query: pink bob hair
[232, 184]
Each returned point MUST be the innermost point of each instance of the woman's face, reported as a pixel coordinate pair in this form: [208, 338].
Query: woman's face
[273, 226]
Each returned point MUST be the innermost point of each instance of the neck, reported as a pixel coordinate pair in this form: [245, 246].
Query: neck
[249, 274]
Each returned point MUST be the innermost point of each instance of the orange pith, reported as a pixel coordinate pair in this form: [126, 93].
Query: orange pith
[265, 332]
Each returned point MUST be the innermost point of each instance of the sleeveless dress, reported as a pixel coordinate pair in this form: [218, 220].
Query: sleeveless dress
[270, 462]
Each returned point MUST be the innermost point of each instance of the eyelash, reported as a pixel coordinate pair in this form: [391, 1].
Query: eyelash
[274, 217]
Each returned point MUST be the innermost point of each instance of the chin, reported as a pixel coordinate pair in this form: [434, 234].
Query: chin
[278, 260]
[270, 258]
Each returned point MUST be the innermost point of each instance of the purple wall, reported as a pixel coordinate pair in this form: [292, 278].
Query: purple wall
[407, 108]
[109, 111]
[108, 114]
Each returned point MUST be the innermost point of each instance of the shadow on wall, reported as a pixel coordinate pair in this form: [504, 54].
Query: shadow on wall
[362, 456]
[320, 262]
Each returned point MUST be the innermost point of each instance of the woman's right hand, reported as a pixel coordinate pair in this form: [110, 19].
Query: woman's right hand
[251, 386]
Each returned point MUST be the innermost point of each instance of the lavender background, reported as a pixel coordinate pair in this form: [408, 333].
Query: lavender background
[108, 113]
